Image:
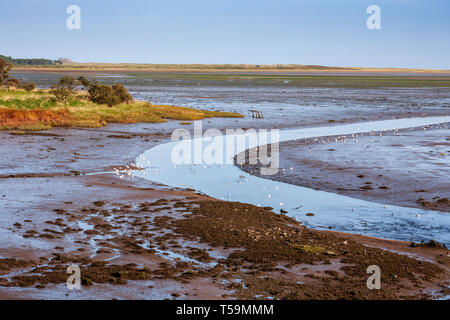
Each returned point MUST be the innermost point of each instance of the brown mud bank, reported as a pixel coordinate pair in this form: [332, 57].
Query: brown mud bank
[406, 168]
[220, 249]
[134, 239]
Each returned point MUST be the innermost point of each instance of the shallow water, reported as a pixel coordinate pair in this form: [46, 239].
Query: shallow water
[397, 168]
[284, 105]
[334, 211]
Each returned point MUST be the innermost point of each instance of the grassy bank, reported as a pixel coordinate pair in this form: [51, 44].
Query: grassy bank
[39, 110]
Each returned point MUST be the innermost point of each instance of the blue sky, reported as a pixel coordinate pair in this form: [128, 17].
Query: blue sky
[414, 33]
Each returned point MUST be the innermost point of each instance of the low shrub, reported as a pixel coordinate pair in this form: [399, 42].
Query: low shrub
[98, 93]
[122, 93]
[111, 96]
[13, 82]
[103, 94]
[28, 86]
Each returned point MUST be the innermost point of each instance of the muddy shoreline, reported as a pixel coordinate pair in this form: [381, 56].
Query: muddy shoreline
[141, 240]
[148, 238]
[356, 166]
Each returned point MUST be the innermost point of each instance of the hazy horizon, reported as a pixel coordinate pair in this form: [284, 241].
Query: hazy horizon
[413, 34]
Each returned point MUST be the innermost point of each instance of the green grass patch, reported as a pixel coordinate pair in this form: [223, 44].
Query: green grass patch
[39, 111]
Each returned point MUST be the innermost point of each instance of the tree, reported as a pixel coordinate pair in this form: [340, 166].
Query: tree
[61, 94]
[29, 61]
[68, 82]
[84, 82]
[5, 67]
[64, 88]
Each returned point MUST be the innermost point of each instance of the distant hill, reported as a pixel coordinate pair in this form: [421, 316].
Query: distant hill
[30, 62]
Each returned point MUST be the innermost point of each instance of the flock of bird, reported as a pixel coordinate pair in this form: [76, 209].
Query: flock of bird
[144, 165]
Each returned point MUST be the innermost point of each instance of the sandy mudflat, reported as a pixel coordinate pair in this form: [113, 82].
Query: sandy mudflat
[136, 239]
[406, 168]
[221, 69]
[139, 240]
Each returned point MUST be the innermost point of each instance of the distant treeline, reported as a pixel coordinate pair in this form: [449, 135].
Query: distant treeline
[31, 62]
